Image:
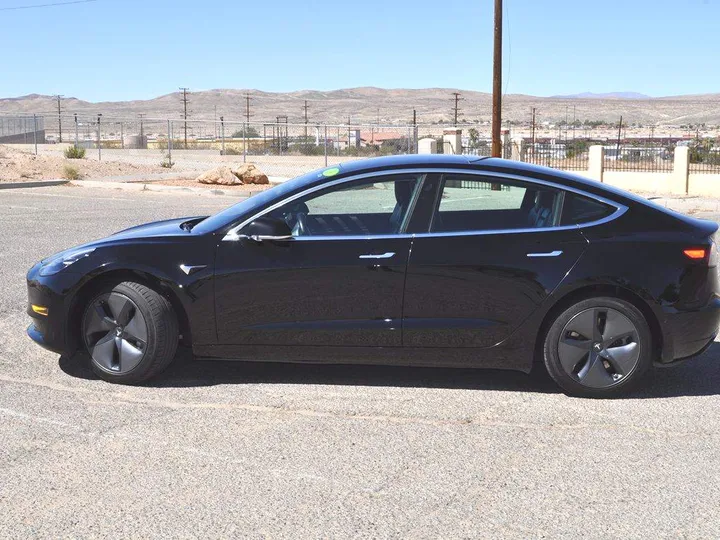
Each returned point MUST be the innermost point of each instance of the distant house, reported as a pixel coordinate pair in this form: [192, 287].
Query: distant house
[372, 138]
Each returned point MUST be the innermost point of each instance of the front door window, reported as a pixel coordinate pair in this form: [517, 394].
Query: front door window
[369, 207]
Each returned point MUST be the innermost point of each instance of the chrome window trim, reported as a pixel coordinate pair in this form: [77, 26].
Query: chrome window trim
[620, 209]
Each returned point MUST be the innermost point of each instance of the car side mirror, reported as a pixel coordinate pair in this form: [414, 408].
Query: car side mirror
[267, 229]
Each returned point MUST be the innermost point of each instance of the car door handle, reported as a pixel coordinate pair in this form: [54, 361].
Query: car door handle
[386, 255]
[556, 253]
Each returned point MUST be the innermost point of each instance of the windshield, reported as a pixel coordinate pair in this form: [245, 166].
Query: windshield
[254, 203]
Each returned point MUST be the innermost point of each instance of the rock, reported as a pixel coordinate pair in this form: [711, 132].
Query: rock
[250, 174]
[221, 175]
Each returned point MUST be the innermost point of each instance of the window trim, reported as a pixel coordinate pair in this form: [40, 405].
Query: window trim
[233, 234]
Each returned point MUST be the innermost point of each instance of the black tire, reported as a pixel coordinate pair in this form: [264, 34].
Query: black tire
[607, 368]
[148, 354]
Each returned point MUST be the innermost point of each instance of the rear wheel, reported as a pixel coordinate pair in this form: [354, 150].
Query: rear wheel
[130, 332]
[599, 347]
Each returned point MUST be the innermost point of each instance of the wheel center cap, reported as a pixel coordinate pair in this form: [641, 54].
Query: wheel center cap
[598, 347]
[119, 330]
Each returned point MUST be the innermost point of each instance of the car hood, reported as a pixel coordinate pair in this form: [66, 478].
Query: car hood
[167, 227]
[164, 228]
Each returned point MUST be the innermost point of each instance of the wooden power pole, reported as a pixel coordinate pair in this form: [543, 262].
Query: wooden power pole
[497, 82]
[185, 113]
[456, 108]
[59, 110]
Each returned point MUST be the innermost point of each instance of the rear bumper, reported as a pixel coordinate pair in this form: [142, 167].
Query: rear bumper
[690, 333]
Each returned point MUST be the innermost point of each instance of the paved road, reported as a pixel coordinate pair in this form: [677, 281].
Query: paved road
[218, 449]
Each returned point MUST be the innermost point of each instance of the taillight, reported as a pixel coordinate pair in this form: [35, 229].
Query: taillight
[709, 254]
[695, 253]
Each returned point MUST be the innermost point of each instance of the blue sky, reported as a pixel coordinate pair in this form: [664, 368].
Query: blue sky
[137, 49]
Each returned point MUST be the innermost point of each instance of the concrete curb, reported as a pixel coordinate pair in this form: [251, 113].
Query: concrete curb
[151, 186]
[36, 183]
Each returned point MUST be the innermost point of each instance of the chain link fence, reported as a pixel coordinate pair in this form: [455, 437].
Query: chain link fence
[285, 149]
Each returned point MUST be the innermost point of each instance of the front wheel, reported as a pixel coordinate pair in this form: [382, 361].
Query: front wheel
[130, 332]
[599, 347]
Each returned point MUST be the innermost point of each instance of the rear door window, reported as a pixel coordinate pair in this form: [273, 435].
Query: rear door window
[472, 203]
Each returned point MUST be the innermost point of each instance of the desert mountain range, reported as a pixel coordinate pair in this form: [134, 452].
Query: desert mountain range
[390, 106]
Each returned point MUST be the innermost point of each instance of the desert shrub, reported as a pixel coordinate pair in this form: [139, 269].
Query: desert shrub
[232, 151]
[167, 163]
[71, 172]
[74, 152]
[250, 132]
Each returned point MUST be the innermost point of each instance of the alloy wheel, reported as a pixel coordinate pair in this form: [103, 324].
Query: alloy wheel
[115, 332]
[599, 347]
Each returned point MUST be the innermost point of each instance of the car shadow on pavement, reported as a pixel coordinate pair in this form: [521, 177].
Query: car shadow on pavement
[186, 372]
[697, 377]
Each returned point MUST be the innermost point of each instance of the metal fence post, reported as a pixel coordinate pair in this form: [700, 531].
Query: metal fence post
[77, 139]
[244, 142]
[222, 135]
[98, 139]
[170, 136]
[35, 132]
[337, 142]
[325, 145]
[122, 137]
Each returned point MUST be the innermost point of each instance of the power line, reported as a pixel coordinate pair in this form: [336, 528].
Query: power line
[53, 4]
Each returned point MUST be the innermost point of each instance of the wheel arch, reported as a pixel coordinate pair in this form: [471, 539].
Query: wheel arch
[591, 291]
[95, 283]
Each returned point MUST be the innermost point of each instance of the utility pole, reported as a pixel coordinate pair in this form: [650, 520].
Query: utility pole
[185, 112]
[247, 108]
[98, 138]
[414, 133]
[497, 81]
[305, 110]
[456, 108]
[59, 110]
[534, 110]
[142, 138]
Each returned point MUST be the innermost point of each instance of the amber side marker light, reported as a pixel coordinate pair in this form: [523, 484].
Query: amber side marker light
[695, 253]
[40, 310]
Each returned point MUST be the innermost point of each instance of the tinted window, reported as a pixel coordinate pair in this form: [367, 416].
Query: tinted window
[373, 206]
[471, 204]
[578, 209]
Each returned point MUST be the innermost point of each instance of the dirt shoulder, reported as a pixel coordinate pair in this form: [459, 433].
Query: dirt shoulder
[18, 166]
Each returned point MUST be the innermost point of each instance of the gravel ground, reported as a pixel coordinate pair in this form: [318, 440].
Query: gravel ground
[282, 451]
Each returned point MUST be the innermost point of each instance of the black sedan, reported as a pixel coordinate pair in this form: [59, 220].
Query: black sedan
[416, 260]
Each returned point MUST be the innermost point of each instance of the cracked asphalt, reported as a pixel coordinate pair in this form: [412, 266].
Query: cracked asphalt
[290, 451]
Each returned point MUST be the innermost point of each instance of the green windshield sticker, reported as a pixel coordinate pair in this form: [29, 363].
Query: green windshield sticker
[331, 172]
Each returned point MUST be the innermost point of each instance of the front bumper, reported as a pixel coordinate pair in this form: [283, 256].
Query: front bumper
[51, 331]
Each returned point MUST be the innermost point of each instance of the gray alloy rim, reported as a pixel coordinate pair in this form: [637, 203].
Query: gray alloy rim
[599, 347]
[115, 332]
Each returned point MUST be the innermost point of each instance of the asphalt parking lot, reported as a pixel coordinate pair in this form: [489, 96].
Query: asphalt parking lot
[251, 450]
